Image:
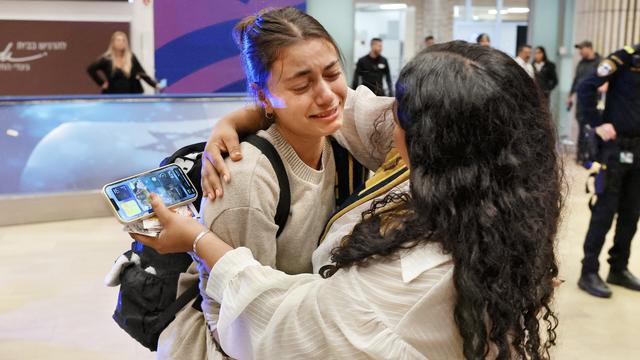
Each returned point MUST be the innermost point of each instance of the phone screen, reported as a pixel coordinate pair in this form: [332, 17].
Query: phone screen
[130, 197]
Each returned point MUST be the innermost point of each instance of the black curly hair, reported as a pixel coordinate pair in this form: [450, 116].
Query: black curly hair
[486, 184]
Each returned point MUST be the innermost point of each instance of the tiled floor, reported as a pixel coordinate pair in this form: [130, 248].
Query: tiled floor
[53, 304]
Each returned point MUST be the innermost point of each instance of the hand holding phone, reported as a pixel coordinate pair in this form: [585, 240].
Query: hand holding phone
[129, 198]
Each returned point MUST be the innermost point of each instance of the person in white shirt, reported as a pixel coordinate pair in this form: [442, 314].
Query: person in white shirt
[461, 264]
[522, 58]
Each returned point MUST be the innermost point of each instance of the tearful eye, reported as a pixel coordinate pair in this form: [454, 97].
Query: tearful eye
[301, 88]
[333, 76]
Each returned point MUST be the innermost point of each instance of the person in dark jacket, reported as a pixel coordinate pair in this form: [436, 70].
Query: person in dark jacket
[121, 70]
[586, 67]
[545, 72]
[371, 68]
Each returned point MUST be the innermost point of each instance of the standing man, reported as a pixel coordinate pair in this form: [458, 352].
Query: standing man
[586, 66]
[371, 68]
[618, 183]
[523, 57]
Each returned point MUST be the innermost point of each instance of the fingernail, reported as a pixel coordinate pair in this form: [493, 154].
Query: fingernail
[218, 192]
[226, 178]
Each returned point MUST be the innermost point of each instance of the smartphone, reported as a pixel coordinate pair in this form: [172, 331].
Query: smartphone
[129, 198]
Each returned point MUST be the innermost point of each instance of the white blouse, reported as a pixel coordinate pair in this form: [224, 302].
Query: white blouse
[398, 309]
[401, 308]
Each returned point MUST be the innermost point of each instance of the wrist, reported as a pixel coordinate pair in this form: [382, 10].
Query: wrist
[210, 249]
[197, 240]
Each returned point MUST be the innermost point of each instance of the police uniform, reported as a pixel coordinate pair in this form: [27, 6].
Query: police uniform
[618, 183]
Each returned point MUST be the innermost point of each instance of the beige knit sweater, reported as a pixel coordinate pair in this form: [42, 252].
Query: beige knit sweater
[244, 216]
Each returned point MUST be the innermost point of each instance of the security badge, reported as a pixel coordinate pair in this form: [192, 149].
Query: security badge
[626, 157]
[606, 68]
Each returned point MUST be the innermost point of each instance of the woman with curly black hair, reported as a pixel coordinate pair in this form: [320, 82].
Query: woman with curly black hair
[460, 266]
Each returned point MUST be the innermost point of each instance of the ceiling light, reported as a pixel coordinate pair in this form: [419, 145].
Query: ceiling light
[12, 133]
[393, 6]
[518, 10]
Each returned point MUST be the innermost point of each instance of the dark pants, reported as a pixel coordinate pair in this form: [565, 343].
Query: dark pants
[581, 146]
[621, 195]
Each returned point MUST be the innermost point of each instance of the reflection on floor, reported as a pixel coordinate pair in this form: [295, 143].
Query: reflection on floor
[53, 304]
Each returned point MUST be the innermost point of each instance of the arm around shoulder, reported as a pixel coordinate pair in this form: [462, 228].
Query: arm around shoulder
[367, 126]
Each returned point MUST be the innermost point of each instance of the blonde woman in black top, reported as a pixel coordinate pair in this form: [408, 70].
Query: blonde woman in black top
[121, 71]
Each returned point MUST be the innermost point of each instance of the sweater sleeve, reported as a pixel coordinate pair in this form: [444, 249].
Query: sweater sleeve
[251, 228]
[244, 216]
[367, 126]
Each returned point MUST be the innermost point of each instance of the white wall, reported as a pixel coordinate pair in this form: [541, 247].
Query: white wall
[468, 31]
[337, 17]
[391, 26]
[411, 36]
[137, 14]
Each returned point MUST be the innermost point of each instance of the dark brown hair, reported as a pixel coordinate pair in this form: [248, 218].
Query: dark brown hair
[262, 37]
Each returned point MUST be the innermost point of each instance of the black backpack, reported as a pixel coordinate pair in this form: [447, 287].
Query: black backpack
[147, 302]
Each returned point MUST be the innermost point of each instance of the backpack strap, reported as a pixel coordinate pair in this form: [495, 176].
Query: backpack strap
[169, 314]
[183, 152]
[284, 201]
[350, 174]
[191, 163]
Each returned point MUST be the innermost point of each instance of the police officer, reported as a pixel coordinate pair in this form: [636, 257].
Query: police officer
[618, 183]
